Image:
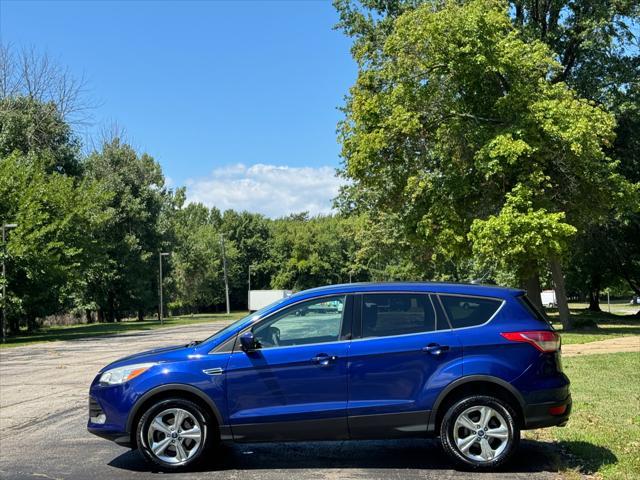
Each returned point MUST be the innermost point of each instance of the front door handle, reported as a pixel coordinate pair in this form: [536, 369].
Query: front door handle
[435, 349]
[324, 360]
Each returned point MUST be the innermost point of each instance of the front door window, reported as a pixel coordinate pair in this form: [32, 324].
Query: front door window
[315, 321]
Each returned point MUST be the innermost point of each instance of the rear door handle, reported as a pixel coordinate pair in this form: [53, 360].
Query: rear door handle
[324, 360]
[435, 349]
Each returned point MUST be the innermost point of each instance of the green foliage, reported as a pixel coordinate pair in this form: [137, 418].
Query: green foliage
[310, 252]
[520, 237]
[38, 131]
[127, 280]
[480, 137]
[593, 46]
[49, 251]
[457, 112]
[196, 259]
[247, 237]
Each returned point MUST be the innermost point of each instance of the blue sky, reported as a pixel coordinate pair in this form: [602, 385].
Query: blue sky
[237, 100]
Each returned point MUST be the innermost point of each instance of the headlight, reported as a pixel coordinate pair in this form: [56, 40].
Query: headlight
[119, 375]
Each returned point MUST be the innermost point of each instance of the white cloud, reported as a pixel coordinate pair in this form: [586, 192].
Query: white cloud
[268, 189]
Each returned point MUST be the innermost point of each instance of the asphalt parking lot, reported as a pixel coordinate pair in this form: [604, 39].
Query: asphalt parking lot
[43, 414]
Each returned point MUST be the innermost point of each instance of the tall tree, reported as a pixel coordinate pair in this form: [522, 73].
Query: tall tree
[595, 44]
[197, 259]
[38, 131]
[457, 112]
[50, 252]
[41, 189]
[37, 77]
[249, 234]
[128, 281]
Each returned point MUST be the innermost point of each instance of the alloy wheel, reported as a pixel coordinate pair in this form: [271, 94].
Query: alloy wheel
[174, 436]
[481, 433]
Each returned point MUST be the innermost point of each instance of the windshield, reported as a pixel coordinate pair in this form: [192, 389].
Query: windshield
[244, 320]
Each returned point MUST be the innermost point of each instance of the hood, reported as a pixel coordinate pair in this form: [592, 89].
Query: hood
[165, 354]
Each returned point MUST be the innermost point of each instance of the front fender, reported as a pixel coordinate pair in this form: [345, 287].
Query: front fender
[172, 387]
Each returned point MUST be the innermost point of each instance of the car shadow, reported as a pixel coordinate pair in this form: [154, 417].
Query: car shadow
[584, 457]
[412, 454]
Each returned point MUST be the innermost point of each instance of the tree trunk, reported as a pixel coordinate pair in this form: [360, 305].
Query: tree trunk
[88, 316]
[140, 315]
[633, 285]
[561, 294]
[14, 325]
[110, 308]
[31, 323]
[594, 301]
[532, 286]
[100, 315]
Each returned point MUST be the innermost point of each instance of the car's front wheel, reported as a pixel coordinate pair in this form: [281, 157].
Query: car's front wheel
[480, 432]
[174, 433]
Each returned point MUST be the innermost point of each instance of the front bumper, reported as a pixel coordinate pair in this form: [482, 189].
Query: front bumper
[121, 438]
[538, 415]
[99, 424]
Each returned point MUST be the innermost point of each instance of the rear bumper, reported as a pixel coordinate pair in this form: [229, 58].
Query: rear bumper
[538, 415]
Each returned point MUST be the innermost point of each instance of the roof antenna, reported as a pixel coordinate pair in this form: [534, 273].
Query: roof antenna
[478, 281]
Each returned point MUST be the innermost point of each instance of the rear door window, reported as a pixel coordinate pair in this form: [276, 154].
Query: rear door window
[469, 311]
[390, 314]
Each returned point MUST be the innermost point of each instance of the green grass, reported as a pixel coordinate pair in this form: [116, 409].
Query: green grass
[609, 325]
[52, 334]
[617, 307]
[603, 434]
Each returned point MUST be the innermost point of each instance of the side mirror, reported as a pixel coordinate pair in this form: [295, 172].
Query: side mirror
[248, 342]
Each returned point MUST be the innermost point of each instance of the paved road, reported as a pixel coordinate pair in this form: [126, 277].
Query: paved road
[43, 413]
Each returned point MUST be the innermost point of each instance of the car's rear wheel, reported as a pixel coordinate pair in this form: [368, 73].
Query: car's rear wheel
[174, 433]
[480, 432]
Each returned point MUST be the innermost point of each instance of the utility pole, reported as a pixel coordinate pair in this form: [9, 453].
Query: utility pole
[224, 269]
[5, 227]
[249, 287]
[160, 255]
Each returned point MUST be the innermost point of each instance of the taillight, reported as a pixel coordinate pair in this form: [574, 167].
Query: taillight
[543, 340]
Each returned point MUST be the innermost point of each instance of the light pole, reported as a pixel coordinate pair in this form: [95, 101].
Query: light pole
[249, 288]
[160, 255]
[5, 227]
[224, 269]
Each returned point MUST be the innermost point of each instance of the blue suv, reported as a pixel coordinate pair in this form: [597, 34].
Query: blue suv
[471, 364]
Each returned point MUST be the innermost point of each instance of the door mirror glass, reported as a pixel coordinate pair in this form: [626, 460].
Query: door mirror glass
[248, 342]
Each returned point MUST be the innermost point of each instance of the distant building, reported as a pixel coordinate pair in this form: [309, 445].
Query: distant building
[548, 298]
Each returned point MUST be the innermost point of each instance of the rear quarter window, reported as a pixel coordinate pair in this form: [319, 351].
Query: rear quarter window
[533, 310]
[469, 311]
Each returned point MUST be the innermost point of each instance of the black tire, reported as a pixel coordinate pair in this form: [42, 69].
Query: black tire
[447, 436]
[207, 429]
